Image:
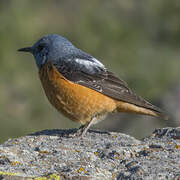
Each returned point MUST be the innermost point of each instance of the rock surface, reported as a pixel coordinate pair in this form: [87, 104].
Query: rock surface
[51, 154]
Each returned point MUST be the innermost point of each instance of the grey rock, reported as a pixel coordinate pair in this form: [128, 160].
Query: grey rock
[52, 154]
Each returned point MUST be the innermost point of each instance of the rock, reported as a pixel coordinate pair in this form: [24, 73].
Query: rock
[51, 154]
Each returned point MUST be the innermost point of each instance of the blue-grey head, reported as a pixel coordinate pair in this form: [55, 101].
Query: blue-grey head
[50, 47]
[59, 50]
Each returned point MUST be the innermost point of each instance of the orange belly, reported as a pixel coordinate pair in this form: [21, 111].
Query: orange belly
[77, 102]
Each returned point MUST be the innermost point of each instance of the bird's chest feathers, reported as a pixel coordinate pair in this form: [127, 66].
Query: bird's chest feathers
[53, 82]
[58, 90]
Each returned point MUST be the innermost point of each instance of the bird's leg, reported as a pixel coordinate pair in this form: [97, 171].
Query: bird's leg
[84, 128]
[87, 126]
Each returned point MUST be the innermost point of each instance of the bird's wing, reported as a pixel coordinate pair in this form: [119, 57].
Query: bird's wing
[102, 81]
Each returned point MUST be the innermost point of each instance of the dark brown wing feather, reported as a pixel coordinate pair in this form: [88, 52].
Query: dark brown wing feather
[108, 84]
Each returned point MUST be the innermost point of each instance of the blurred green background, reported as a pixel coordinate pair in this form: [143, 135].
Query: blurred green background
[138, 40]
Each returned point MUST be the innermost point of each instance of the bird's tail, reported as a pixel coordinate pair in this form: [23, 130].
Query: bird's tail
[131, 108]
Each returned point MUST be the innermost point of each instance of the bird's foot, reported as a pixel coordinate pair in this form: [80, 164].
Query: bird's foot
[80, 132]
[83, 129]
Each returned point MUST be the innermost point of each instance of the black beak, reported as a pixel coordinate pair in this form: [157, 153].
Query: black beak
[26, 49]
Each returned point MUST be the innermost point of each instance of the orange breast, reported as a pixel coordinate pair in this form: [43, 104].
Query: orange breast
[77, 102]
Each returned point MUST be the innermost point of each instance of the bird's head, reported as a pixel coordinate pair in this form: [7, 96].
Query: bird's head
[50, 48]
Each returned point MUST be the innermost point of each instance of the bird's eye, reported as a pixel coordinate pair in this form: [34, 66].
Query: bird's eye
[40, 47]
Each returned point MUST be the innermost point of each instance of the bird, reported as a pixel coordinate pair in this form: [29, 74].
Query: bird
[80, 87]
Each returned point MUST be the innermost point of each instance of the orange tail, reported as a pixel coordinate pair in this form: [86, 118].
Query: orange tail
[131, 108]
